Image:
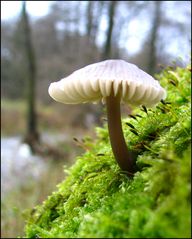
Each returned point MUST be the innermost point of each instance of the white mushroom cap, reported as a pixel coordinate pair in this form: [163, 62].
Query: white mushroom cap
[96, 81]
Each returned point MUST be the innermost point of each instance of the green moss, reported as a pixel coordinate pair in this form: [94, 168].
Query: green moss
[97, 200]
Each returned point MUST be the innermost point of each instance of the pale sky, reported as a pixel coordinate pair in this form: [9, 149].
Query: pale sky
[10, 9]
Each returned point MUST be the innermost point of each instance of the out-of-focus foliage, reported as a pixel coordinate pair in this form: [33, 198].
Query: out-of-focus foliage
[97, 201]
[74, 34]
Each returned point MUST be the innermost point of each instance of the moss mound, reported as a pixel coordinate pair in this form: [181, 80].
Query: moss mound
[98, 201]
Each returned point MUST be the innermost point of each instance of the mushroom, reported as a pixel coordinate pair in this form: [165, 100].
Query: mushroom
[113, 82]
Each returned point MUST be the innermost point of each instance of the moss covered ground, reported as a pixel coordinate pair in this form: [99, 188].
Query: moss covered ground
[97, 200]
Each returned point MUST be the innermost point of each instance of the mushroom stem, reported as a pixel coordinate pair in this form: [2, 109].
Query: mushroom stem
[118, 144]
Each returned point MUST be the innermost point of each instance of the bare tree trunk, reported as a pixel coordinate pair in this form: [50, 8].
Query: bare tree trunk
[111, 14]
[32, 135]
[154, 34]
[97, 18]
[89, 18]
[93, 18]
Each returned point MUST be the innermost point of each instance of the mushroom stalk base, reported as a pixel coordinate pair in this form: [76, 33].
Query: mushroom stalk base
[118, 144]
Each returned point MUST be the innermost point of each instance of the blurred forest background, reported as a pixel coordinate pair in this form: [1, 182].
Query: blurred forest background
[36, 51]
[76, 33]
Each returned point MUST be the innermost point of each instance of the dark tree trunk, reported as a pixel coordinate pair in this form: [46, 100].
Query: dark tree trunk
[111, 14]
[97, 18]
[93, 17]
[153, 40]
[89, 18]
[32, 135]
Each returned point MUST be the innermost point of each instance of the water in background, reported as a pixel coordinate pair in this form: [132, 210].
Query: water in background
[18, 165]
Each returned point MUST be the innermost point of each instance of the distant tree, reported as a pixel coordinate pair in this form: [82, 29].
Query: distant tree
[93, 16]
[6, 61]
[12, 63]
[156, 23]
[32, 135]
[108, 41]
[89, 23]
